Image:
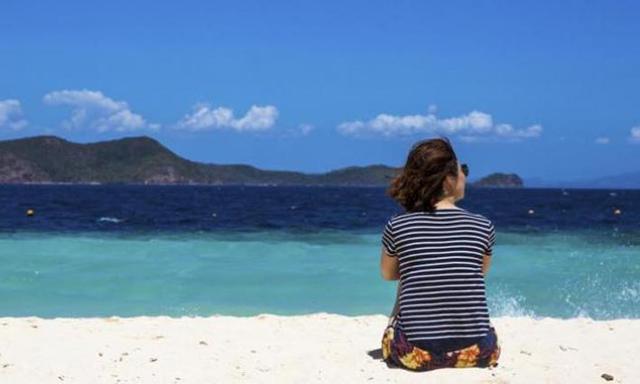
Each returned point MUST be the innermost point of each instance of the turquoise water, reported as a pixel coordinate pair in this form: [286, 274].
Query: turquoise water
[559, 274]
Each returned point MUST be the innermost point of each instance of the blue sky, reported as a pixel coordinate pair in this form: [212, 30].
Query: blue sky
[543, 89]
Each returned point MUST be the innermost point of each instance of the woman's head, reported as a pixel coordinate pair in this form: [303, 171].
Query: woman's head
[432, 173]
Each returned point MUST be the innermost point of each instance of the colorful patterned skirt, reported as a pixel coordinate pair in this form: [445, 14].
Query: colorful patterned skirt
[399, 352]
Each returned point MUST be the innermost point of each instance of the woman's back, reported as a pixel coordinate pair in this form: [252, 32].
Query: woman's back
[442, 301]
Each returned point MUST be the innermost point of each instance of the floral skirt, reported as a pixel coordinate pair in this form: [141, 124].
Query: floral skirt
[398, 351]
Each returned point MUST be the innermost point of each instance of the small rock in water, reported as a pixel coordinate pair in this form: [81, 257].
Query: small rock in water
[607, 376]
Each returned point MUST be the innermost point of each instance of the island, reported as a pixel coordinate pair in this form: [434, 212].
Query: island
[500, 180]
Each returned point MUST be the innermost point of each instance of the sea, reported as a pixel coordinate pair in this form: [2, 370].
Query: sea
[127, 250]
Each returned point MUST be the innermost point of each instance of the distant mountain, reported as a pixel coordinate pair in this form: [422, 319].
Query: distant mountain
[143, 160]
[630, 180]
[502, 180]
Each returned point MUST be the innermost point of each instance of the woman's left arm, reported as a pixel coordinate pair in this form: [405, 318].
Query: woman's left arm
[389, 266]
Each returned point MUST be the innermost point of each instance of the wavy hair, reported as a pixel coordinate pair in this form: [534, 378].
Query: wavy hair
[420, 184]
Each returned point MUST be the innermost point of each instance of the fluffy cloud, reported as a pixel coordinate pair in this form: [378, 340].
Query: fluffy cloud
[94, 110]
[11, 115]
[471, 127]
[204, 117]
[635, 134]
[602, 140]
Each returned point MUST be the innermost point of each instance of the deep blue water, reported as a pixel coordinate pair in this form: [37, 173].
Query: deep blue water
[297, 209]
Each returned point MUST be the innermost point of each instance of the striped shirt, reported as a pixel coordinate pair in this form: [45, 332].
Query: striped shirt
[442, 302]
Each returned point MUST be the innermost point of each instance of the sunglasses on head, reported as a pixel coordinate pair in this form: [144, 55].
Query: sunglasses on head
[465, 169]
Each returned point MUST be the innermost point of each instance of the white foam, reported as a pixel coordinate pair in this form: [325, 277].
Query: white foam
[110, 219]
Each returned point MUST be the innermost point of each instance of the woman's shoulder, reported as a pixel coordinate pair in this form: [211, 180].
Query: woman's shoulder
[482, 219]
[479, 216]
[457, 212]
[403, 217]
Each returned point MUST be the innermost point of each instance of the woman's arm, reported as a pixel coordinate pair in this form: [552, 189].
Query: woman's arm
[486, 261]
[388, 266]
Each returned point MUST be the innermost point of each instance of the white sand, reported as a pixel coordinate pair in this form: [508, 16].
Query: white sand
[319, 348]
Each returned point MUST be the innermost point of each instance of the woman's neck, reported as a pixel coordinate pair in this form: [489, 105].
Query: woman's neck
[445, 203]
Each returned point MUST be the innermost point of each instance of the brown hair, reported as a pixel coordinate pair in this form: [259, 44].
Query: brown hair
[420, 183]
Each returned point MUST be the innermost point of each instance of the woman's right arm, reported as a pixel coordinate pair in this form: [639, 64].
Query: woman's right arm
[486, 261]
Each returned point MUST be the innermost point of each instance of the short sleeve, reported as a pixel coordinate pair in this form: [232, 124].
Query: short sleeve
[491, 239]
[388, 239]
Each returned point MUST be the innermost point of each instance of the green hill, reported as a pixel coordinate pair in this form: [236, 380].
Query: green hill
[143, 160]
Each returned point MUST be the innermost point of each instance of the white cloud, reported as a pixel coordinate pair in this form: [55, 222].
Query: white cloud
[305, 129]
[471, 139]
[507, 130]
[470, 127]
[11, 115]
[635, 134]
[602, 140]
[93, 110]
[301, 130]
[204, 117]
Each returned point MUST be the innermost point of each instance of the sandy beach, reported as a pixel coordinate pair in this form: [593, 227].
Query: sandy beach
[317, 348]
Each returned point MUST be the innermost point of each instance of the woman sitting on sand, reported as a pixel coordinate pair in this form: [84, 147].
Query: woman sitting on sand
[440, 253]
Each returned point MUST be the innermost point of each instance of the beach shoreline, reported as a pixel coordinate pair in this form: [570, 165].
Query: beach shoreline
[316, 348]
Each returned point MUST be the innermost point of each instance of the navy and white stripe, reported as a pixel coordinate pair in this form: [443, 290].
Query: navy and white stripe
[440, 263]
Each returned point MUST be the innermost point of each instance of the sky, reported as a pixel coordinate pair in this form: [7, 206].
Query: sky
[543, 89]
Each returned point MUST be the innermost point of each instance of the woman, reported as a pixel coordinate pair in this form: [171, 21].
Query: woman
[440, 253]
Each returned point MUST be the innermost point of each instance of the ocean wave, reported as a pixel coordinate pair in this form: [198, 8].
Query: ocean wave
[503, 304]
[109, 219]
